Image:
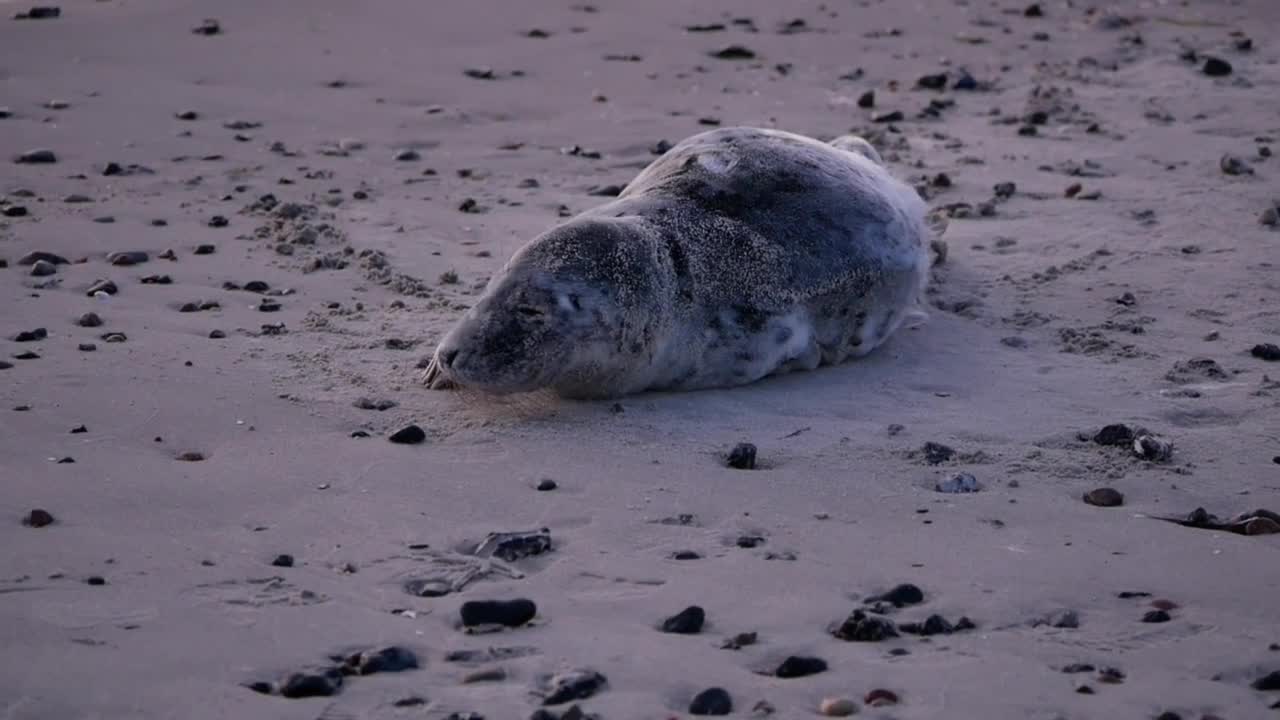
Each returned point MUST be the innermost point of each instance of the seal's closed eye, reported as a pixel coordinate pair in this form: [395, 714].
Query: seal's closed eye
[530, 311]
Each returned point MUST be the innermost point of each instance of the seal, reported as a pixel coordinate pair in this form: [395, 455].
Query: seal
[738, 254]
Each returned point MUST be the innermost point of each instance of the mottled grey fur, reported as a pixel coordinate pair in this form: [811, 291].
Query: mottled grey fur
[740, 253]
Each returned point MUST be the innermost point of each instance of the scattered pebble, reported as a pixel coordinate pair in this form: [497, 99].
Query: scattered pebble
[507, 613]
[408, 435]
[733, 52]
[1156, 616]
[798, 666]
[283, 560]
[39, 156]
[568, 686]
[208, 26]
[1266, 351]
[742, 457]
[546, 485]
[837, 707]
[958, 483]
[1216, 67]
[102, 286]
[686, 622]
[862, 626]
[712, 701]
[881, 698]
[1104, 497]
[38, 518]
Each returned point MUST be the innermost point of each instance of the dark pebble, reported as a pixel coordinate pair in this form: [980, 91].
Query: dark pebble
[889, 117]
[1104, 497]
[685, 555]
[880, 698]
[513, 546]
[40, 12]
[797, 666]
[31, 335]
[323, 683]
[574, 685]
[1115, 434]
[14, 211]
[371, 404]
[861, 626]
[269, 306]
[125, 259]
[1156, 616]
[508, 613]
[749, 541]
[28, 355]
[156, 280]
[546, 484]
[187, 115]
[79, 429]
[205, 249]
[218, 221]
[86, 347]
[96, 580]
[936, 625]
[38, 518]
[733, 52]
[208, 26]
[37, 157]
[43, 269]
[114, 337]
[742, 457]
[932, 82]
[1216, 67]
[936, 453]
[900, 596]
[1266, 351]
[867, 100]
[1076, 668]
[284, 561]
[1268, 682]
[67, 461]
[89, 320]
[686, 622]
[32, 258]
[409, 435]
[712, 701]
[418, 701]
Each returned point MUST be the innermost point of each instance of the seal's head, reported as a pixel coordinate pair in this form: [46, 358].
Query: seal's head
[560, 315]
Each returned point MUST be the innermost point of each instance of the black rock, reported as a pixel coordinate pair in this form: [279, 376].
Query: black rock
[43, 269]
[686, 622]
[1033, 11]
[187, 115]
[256, 286]
[128, 258]
[31, 335]
[14, 211]
[79, 429]
[964, 81]
[733, 52]
[749, 541]
[37, 157]
[32, 258]
[937, 625]
[28, 355]
[685, 555]
[1115, 434]
[867, 100]
[205, 249]
[208, 26]
[371, 404]
[393, 658]
[1076, 668]
[156, 280]
[936, 453]
[932, 82]
[218, 221]
[546, 485]
[796, 666]
[1268, 682]
[217, 334]
[742, 457]
[40, 12]
[38, 518]
[863, 627]
[96, 580]
[712, 701]
[509, 613]
[322, 683]
[283, 560]
[1266, 351]
[889, 117]
[89, 320]
[900, 596]
[1156, 616]
[1216, 67]
[408, 155]
[408, 435]
[1104, 497]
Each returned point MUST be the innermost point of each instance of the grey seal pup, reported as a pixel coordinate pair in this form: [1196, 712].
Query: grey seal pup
[738, 254]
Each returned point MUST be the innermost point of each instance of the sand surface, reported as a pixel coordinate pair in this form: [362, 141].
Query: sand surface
[1053, 317]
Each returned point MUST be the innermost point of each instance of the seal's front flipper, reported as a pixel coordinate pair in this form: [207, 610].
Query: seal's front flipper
[435, 379]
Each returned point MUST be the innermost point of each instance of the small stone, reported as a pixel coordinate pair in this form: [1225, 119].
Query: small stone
[1232, 165]
[391, 659]
[546, 485]
[742, 457]
[191, 456]
[187, 115]
[39, 156]
[125, 259]
[86, 347]
[837, 707]
[507, 613]
[712, 701]
[205, 249]
[1266, 351]
[932, 82]
[739, 641]
[408, 435]
[797, 666]
[881, 698]
[31, 335]
[96, 580]
[216, 334]
[686, 622]
[1115, 434]
[494, 674]
[38, 518]
[889, 117]
[1104, 497]
[114, 337]
[371, 404]
[1156, 616]
[14, 211]
[269, 305]
[43, 268]
[37, 256]
[40, 12]
[1216, 67]
[900, 596]
[407, 155]
[89, 320]
[958, 483]
[283, 560]
[867, 100]
[218, 221]
[936, 453]
[1110, 676]
[79, 429]
[1268, 682]
[323, 683]
[1063, 619]
[208, 26]
[862, 626]
[733, 52]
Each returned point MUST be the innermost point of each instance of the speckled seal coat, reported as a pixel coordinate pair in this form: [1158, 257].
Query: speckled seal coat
[740, 253]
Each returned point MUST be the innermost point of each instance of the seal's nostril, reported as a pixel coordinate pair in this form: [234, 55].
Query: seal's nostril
[447, 356]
